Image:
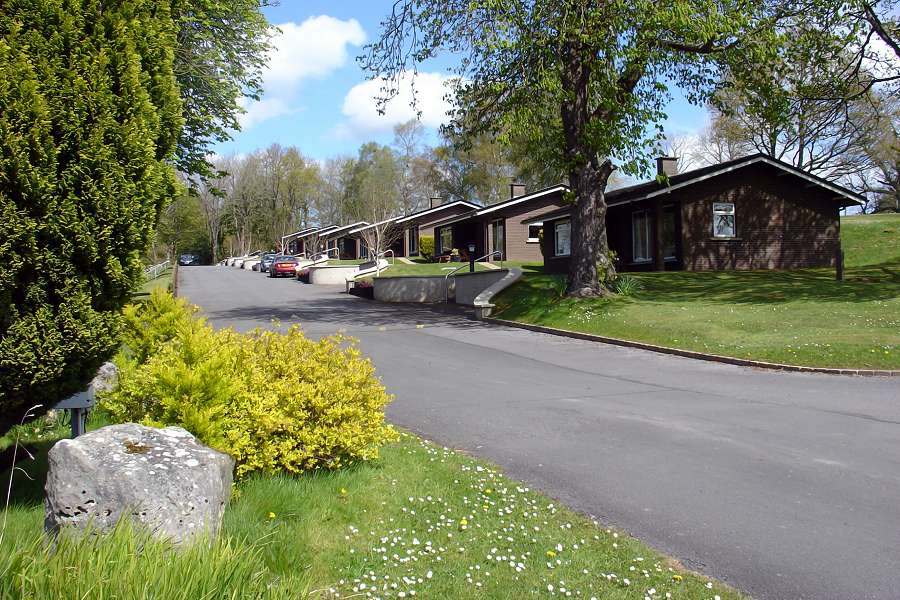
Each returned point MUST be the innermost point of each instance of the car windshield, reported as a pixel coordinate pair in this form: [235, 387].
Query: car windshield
[286, 261]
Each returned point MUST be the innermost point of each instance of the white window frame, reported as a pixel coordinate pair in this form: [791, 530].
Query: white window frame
[648, 233]
[528, 237]
[724, 209]
[568, 225]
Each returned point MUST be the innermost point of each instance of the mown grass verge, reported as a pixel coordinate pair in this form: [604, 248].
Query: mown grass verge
[163, 282]
[421, 521]
[794, 317]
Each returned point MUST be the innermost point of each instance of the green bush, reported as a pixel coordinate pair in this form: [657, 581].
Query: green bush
[89, 119]
[426, 247]
[275, 401]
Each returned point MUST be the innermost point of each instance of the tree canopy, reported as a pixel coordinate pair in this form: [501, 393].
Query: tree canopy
[221, 50]
[580, 85]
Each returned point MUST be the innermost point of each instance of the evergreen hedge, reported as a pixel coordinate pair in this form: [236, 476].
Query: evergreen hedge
[89, 119]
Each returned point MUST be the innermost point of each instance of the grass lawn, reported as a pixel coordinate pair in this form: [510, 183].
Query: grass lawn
[422, 269]
[164, 281]
[348, 263]
[421, 521]
[795, 317]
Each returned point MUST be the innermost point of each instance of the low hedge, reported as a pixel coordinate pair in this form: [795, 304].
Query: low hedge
[274, 400]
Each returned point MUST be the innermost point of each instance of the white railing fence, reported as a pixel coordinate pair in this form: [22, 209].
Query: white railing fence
[154, 271]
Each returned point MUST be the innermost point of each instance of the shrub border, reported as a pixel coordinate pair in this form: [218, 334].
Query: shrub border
[741, 362]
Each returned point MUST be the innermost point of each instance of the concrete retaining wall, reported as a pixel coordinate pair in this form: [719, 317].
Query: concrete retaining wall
[470, 285]
[411, 289]
[330, 275]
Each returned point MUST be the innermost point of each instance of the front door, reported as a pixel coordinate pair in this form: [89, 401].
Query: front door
[668, 232]
[498, 240]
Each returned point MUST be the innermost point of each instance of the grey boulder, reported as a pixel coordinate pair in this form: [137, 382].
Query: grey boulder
[161, 479]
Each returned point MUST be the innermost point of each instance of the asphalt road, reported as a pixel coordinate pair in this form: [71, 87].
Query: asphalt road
[786, 486]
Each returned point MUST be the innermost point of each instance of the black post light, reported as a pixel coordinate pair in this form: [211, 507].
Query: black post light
[471, 258]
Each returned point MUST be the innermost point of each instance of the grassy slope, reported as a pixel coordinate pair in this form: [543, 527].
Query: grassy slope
[164, 281]
[420, 519]
[798, 317]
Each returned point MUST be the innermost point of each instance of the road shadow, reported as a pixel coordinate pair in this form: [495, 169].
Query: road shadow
[351, 312]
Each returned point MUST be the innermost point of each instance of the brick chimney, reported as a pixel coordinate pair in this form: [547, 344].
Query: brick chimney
[436, 201]
[516, 189]
[667, 165]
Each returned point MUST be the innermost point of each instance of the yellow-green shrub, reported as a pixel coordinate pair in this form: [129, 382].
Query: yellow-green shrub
[275, 401]
[153, 322]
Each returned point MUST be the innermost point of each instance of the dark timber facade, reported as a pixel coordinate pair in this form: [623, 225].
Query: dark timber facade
[750, 213]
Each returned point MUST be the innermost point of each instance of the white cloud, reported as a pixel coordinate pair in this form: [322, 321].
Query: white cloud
[265, 109]
[312, 49]
[360, 104]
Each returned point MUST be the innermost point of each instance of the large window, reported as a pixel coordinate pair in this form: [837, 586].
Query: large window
[640, 236]
[446, 240]
[413, 241]
[562, 239]
[723, 219]
[498, 235]
[534, 232]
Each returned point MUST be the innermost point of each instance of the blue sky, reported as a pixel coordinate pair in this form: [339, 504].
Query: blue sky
[317, 98]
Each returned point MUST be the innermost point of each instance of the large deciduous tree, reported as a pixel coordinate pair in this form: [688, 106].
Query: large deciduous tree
[219, 58]
[802, 110]
[89, 119]
[581, 84]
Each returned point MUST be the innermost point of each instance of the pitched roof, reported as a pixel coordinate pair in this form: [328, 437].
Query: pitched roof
[302, 233]
[319, 231]
[434, 209]
[342, 229]
[370, 225]
[502, 205]
[651, 189]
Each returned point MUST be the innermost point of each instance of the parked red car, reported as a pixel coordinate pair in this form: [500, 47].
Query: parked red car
[283, 266]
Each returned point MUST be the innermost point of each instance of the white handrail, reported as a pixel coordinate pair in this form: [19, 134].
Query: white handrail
[462, 266]
[383, 254]
[154, 271]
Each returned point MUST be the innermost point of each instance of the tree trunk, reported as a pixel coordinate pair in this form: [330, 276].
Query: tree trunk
[588, 229]
[588, 176]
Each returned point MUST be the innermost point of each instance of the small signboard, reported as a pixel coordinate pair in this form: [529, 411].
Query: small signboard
[85, 399]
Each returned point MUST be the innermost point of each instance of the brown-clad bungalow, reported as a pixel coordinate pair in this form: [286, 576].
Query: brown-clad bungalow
[754, 212]
[339, 243]
[294, 243]
[498, 227]
[416, 224]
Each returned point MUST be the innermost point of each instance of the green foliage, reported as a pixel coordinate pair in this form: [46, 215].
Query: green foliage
[89, 116]
[606, 268]
[151, 324]
[626, 285]
[182, 228]
[222, 48]
[426, 246]
[275, 401]
[131, 564]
